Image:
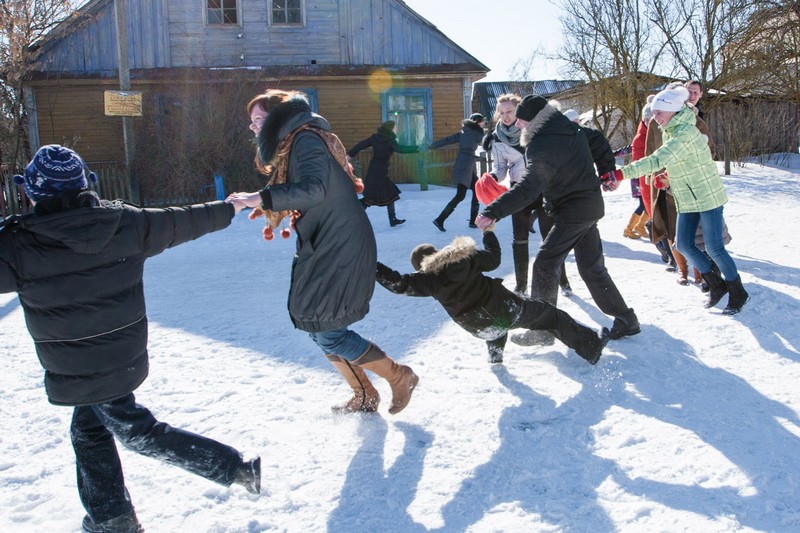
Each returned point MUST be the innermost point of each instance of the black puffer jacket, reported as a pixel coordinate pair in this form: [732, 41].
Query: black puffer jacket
[558, 165]
[454, 277]
[333, 274]
[79, 278]
[602, 154]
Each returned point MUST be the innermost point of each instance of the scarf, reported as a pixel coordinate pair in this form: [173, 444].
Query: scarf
[508, 134]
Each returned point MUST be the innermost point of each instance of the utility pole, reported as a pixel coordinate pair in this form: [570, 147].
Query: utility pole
[125, 85]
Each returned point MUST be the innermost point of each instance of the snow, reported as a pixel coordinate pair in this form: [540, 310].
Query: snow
[690, 426]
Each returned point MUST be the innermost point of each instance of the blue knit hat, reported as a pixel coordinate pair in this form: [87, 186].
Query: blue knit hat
[52, 171]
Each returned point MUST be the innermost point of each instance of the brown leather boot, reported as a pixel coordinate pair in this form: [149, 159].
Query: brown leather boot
[365, 398]
[628, 231]
[640, 229]
[400, 377]
[683, 265]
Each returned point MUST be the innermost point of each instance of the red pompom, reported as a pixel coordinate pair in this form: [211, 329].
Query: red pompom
[268, 233]
[487, 189]
[286, 233]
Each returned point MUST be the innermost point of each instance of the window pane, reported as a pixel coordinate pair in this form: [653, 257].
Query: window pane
[293, 4]
[278, 17]
[214, 4]
[215, 16]
[230, 15]
[294, 16]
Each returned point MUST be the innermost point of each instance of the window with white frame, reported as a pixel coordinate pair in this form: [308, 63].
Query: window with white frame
[222, 12]
[411, 111]
[287, 12]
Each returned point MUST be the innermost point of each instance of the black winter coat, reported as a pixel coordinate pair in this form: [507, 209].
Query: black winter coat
[333, 273]
[79, 278]
[559, 165]
[378, 187]
[468, 139]
[602, 154]
[454, 277]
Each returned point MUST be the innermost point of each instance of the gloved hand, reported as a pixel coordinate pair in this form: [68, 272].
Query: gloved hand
[611, 180]
[661, 180]
[483, 222]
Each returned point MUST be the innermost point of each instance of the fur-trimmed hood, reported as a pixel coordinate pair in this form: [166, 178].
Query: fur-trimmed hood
[549, 119]
[283, 120]
[461, 248]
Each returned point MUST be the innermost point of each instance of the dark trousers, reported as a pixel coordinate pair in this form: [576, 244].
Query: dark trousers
[100, 481]
[540, 315]
[584, 239]
[545, 225]
[461, 193]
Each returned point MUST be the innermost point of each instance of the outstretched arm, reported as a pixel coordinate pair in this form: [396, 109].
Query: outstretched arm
[406, 284]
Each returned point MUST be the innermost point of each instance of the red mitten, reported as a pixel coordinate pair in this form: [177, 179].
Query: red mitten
[611, 180]
[660, 180]
[487, 189]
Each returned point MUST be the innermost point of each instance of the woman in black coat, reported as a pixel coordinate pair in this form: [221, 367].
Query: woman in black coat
[333, 273]
[379, 189]
[468, 140]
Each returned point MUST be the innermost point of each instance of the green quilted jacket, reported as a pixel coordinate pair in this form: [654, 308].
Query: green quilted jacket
[693, 176]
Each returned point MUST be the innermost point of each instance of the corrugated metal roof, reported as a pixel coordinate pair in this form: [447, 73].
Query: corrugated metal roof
[487, 92]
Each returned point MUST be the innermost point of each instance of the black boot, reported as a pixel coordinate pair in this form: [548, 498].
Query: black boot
[716, 288]
[393, 220]
[738, 297]
[592, 347]
[127, 523]
[566, 289]
[521, 261]
[624, 326]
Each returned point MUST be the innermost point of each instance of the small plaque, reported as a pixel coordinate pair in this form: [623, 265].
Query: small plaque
[123, 103]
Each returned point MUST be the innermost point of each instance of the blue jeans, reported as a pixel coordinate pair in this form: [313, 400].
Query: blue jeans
[100, 481]
[342, 342]
[712, 237]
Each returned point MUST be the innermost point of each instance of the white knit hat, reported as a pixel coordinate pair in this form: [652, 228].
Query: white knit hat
[671, 99]
[572, 115]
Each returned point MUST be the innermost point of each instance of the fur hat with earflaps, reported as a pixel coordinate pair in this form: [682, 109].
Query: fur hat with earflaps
[53, 171]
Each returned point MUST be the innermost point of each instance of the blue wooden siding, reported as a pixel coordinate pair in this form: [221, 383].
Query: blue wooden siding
[173, 33]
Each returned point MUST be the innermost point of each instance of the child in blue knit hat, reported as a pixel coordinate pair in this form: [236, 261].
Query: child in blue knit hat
[77, 263]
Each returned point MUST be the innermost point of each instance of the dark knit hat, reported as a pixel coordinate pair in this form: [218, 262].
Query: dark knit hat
[530, 106]
[420, 252]
[476, 117]
[53, 170]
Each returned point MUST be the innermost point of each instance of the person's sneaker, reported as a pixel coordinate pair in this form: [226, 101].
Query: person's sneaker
[624, 326]
[439, 224]
[127, 523]
[593, 355]
[396, 222]
[566, 290]
[249, 476]
[496, 358]
[534, 337]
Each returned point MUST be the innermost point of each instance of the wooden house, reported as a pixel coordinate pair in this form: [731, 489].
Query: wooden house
[360, 61]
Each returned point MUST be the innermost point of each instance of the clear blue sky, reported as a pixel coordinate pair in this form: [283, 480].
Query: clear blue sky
[498, 33]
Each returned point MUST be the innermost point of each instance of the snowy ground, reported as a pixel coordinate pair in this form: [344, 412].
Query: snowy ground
[690, 426]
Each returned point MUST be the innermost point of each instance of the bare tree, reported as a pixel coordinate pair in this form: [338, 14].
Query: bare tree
[615, 47]
[23, 23]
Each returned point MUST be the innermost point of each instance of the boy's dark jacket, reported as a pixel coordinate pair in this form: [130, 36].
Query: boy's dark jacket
[454, 277]
[79, 278]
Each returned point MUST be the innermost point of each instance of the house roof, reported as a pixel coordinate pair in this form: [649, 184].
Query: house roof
[487, 92]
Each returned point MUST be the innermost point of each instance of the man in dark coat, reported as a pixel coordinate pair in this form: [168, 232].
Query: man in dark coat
[468, 140]
[77, 263]
[483, 305]
[559, 165]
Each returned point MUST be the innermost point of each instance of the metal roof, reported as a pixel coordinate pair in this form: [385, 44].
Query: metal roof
[487, 92]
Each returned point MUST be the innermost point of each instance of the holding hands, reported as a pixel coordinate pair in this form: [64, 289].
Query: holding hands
[661, 181]
[485, 223]
[611, 180]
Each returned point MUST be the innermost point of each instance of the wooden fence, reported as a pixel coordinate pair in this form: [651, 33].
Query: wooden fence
[429, 168]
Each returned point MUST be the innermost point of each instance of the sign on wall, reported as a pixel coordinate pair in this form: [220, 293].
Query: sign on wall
[123, 103]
